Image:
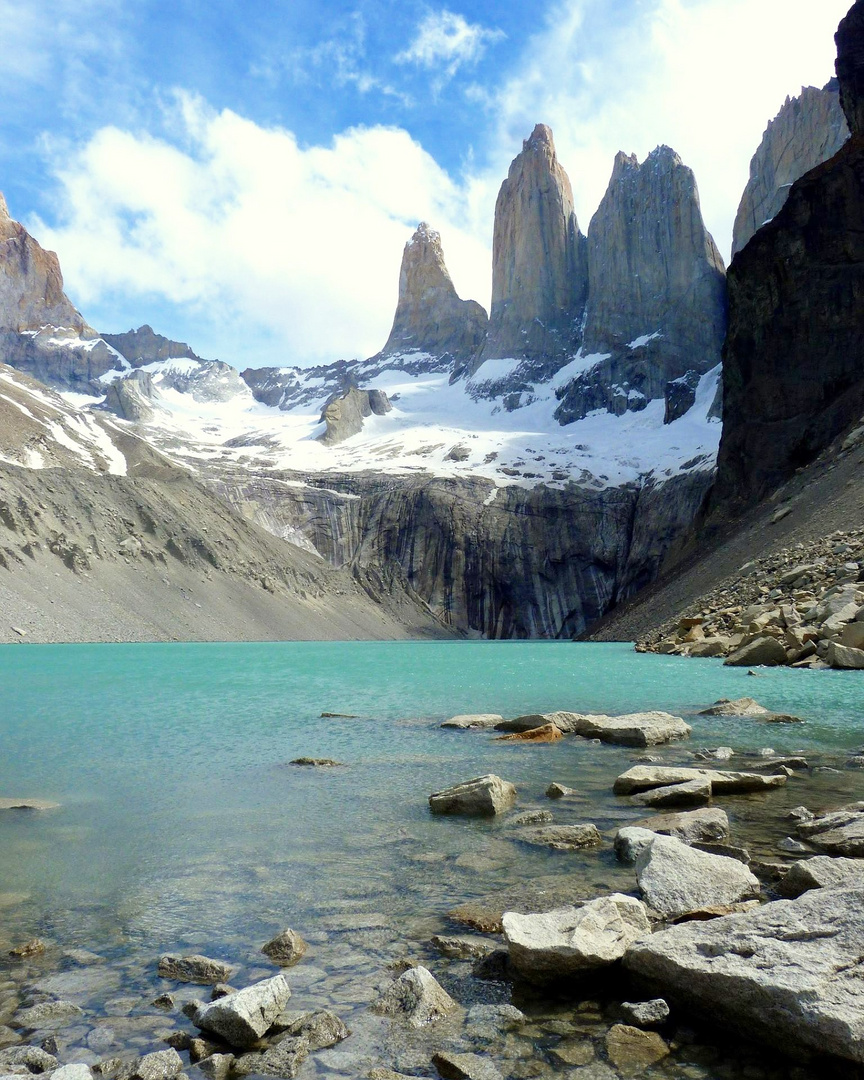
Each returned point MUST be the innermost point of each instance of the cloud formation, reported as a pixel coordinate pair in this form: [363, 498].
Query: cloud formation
[445, 41]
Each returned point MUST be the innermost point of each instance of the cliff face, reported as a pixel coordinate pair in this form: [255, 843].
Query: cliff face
[430, 317]
[656, 306]
[794, 366]
[539, 266]
[808, 130]
[144, 346]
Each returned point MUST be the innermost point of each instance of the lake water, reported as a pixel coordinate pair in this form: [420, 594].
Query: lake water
[182, 828]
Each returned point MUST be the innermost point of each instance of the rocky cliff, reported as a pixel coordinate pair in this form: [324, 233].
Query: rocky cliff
[656, 305]
[794, 367]
[539, 265]
[144, 346]
[430, 318]
[808, 130]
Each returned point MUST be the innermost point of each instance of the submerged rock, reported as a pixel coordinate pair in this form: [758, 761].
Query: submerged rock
[562, 837]
[484, 796]
[286, 949]
[465, 1067]
[676, 879]
[49, 1014]
[473, 720]
[193, 969]
[646, 777]
[27, 804]
[745, 706]
[632, 1050]
[283, 1060]
[415, 997]
[462, 948]
[546, 734]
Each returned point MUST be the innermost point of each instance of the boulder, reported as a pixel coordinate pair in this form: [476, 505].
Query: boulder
[160, 1065]
[632, 1050]
[193, 969]
[462, 948]
[690, 793]
[645, 777]
[676, 879]
[570, 941]
[705, 825]
[546, 734]
[73, 1072]
[286, 949]
[484, 796]
[631, 841]
[645, 1013]
[243, 1017]
[787, 972]
[821, 872]
[344, 413]
[530, 817]
[320, 1029]
[745, 706]
[844, 658]
[838, 832]
[465, 1067]
[763, 651]
[49, 1014]
[524, 723]
[217, 1066]
[283, 1060]
[561, 837]
[634, 729]
[473, 720]
[415, 997]
[559, 791]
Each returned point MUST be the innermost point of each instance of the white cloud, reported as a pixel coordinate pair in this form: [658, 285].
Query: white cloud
[298, 248]
[446, 41]
[703, 76]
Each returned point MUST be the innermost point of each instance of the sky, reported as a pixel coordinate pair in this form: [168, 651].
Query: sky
[244, 175]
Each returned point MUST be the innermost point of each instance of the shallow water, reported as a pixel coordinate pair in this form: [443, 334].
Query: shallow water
[183, 829]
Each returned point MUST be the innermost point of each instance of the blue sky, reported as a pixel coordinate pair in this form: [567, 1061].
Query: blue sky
[243, 175]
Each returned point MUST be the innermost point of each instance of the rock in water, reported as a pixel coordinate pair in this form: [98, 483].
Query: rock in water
[676, 879]
[430, 317]
[703, 825]
[465, 1067]
[657, 303]
[838, 832]
[632, 1050]
[792, 358]
[821, 872]
[569, 941]
[484, 796]
[632, 729]
[242, 1018]
[787, 973]
[539, 264]
[193, 969]
[286, 949]
[417, 998]
[561, 837]
[808, 130]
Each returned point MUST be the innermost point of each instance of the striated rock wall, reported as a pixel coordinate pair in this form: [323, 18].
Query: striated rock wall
[794, 366]
[808, 130]
[516, 563]
[344, 415]
[144, 346]
[430, 317]
[539, 264]
[656, 306]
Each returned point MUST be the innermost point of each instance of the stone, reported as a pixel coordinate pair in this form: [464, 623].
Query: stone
[462, 948]
[786, 973]
[217, 1066]
[560, 791]
[430, 318]
[690, 793]
[632, 1050]
[485, 913]
[837, 832]
[283, 1060]
[198, 1048]
[473, 720]
[494, 967]
[546, 734]
[572, 1052]
[243, 1017]
[193, 969]
[570, 941]
[320, 1029]
[484, 796]
[163, 1001]
[634, 729]
[344, 413]
[34, 947]
[839, 656]
[631, 841]
[745, 706]
[808, 130]
[286, 949]
[317, 762]
[646, 777]
[675, 878]
[49, 1014]
[494, 1018]
[72, 1072]
[8, 1037]
[538, 817]
[160, 1065]
[730, 851]
[645, 1014]
[821, 872]
[465, 1067]
[561, 837]
[27, 804]
[706, 824]
[763, 651]
[539, 262]
[415, 997]
[26, 1058]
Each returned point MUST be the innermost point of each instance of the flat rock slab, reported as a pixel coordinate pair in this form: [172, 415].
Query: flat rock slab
[676, 879]
[545, 734]
[193, 969]
[570, 941]
[49, 1014]
[561, 837]
[633, 729]
[28, 804]
[745, 706]
[838, 832]
[821, 872]
[466, 721]
[788, 973]
[243, 1017]
[465, 1067]
[707, 824]
[690, 793]
[646, 777]
[484, 796]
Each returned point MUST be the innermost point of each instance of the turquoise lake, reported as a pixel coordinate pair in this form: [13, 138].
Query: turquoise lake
[182, 828]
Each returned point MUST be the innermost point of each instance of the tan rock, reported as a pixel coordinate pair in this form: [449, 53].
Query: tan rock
[546, 734]
[632, 1050]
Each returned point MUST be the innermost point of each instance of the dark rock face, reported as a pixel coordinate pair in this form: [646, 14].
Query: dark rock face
[143, 346]
[344, 415]
[808, 130]
[657, 306]
[539, 265]
[680, 396]
[794, 363]
[430, 317]
[131, 398]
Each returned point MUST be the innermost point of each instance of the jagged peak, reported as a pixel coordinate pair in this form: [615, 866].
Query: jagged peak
[540, 139]
[4, 209]
[425, 234]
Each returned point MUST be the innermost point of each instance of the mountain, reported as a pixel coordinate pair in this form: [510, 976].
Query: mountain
[808, 130]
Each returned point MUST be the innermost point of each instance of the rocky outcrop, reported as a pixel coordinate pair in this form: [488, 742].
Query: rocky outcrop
[144, 346]
[793, 379]
[131, 398]
[676, 879]
[808, 130]
[539, 265]
[656, 306]
[344, 415]
[430, 318]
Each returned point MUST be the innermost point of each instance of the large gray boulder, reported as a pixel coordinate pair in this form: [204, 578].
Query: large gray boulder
[484, 796]
[243, 1017]
[633, 729]
[821, 872]
[571, 940]
[764, 651]
[787, 973]
[344, 413]
[646, 777]
[676, 879]
[837, 832]
[707, 824]
[690, 793]
[745, 706]
[415, 997]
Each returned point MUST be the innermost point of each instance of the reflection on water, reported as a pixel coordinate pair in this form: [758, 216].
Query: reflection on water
[183, 829]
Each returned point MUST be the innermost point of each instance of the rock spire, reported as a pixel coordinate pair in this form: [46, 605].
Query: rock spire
[539, 266]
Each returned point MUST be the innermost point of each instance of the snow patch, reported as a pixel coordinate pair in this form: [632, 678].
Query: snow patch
[641, 342]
